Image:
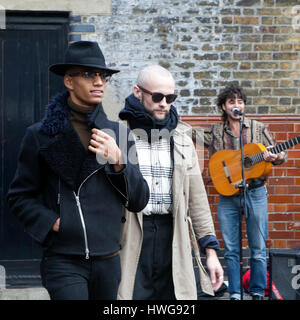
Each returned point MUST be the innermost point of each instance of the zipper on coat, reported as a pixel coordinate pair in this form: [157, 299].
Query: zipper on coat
[87, 251]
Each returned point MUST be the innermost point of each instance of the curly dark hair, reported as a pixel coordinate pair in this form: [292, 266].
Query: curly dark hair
[229, 92]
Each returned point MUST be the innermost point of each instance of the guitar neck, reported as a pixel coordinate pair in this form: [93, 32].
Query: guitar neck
[276, 149]
[285, 145]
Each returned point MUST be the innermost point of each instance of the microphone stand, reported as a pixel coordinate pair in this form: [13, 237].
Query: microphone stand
[243, 187]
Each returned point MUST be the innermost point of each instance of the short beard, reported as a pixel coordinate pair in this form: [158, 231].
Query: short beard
[150, 112]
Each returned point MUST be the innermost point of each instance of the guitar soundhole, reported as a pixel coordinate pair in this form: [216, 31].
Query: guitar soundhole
[248, 163]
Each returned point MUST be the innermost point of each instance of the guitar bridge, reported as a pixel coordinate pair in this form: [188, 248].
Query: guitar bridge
[226, 172]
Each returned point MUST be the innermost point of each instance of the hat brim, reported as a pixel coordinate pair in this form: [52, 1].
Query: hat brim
[61, 68]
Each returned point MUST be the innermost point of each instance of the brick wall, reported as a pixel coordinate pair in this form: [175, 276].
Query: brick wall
[283, 183]
[205, 44]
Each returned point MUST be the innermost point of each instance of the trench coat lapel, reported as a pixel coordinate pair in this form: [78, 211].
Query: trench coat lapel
[182, 151]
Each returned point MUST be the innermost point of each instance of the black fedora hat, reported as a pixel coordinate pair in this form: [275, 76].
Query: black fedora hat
[84, 54]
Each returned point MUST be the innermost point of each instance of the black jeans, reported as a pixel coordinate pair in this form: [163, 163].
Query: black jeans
[154, 279]
[76, 278]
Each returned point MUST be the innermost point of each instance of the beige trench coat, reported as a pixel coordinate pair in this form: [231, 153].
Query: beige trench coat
[189, 198]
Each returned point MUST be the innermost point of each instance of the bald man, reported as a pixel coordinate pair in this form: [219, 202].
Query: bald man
[156, 253]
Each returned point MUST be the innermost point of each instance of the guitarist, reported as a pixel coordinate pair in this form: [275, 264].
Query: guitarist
[225, 135]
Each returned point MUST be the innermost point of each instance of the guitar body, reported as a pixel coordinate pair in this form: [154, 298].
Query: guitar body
[226, 171]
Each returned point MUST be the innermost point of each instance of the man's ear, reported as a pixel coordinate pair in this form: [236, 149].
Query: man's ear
[137, 92]
[68, 82]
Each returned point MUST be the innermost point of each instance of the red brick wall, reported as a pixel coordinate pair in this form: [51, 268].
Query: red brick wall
[283, 183]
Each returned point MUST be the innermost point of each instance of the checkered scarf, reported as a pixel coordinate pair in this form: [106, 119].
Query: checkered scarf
[156, 166]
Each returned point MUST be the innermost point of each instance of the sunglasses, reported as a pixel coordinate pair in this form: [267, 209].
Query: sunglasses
[157, 96]
[92, 75]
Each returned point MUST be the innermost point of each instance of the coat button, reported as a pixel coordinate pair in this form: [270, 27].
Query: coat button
[123, 219]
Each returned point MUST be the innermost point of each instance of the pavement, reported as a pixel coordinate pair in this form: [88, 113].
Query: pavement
[24, 294]
[224, 295]
[41, 293]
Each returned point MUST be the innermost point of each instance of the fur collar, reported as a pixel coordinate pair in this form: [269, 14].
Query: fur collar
[57, 116]
[64, 152]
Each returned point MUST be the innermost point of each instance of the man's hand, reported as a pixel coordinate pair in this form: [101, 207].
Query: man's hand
[105, 146]
[56, 225]
[272, 157]
[215, 269]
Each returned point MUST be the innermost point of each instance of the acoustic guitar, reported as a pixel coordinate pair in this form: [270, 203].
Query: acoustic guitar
[225, 166]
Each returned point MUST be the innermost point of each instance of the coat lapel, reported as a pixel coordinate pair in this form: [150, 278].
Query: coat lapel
[182, 160]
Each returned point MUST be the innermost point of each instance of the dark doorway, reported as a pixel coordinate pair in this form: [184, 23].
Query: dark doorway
[30, 42]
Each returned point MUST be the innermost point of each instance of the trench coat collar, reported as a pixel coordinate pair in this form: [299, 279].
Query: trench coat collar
[182, 161]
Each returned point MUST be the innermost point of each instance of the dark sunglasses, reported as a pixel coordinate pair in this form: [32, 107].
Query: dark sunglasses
[92, 75]
[157, 96]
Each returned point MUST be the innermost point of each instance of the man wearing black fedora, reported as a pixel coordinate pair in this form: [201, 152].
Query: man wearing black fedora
[73, 180]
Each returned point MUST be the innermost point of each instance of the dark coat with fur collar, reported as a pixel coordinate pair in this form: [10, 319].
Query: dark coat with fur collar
[56, 177]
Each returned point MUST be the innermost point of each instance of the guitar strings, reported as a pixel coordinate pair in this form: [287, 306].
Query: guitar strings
[279, 148]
